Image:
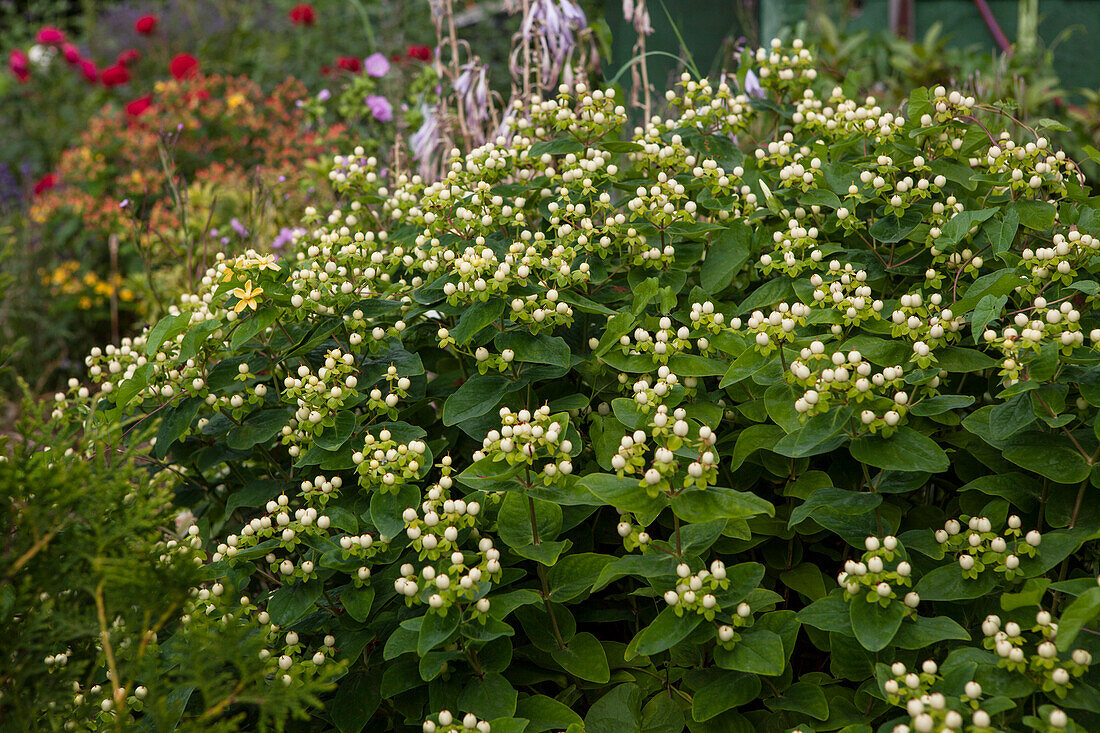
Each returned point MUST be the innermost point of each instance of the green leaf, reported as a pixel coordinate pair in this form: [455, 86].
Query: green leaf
[574, 575]
[906, 450]
[752, 439]
[357, 601]
[625, 495]
[537, 349]
[924, 631]
[726, 255]
[958, 359]
[619, 711]
[334, 438]
[940, 404]
[489, 697]
[749, 362]
[724, 689]
[291, 602]
[476, 317]
[832, 499]
[644, 293]
[195, 336]
[259, 427]
[477, 396]
[802, 697]
[758, 652]
[890, 228]
[988, 309]
[129, 388]
[829, 614]
[959, 225]
[617, 327]
[355, 700]
[167, 328]
[875, 626]
[1034, 214]
[176, 421]
[819, 434]
[768, 294]
[1047, 455]
[545, 714]
[386, 508]
[947, 583]
[664, 632]
[436, 628]
[584, 657]
[249, 327]
[1002, 231]
[1084, 610]
[713, 502]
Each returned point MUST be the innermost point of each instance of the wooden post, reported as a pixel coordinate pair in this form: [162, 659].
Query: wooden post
[903, 18]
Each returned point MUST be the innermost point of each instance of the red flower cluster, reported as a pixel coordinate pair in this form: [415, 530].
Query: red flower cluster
[303, 14]
[45, 183]
[128, 57]
[50, 36]
[420, 53]
[114, 76]
[350, 63]
[20, 65]
[146, 24]
[183, 66]
[139, 105]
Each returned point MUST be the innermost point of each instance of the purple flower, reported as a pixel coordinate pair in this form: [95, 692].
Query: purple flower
[472, 86]
[376, 65]
[324, 95]
[550, 26]
[380, 107]
[426, 141]
[752, 86]
[286, 236]
[236, 225]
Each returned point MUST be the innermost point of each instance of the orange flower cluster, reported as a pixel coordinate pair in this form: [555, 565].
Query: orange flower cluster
[214, 128]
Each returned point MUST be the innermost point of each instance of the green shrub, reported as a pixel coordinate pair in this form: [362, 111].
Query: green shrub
[777, 415]
[97, 567]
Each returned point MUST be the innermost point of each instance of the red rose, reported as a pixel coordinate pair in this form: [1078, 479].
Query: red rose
[50, 36]
[114, 76]
[184, 66]
[71, 53]
[139, 105]
[350, 63]
[420, 53]
[45, 183]
[303, 14]
[146, 24]
[87, 68]
[19, 65]
[128, 57]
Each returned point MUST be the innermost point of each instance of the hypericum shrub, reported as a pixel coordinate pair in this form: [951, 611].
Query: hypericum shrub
[774, 414]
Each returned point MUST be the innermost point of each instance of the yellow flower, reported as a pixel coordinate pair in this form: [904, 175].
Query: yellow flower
[267, 263]
[247, 297]
[234, 100]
